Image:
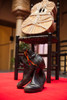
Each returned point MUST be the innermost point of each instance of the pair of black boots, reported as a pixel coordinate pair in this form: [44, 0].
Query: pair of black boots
[33, 72]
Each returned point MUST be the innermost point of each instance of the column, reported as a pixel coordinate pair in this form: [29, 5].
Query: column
[21, 9]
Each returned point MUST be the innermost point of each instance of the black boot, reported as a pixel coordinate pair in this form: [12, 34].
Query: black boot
[37, 83]
[36, 62]
[27, 76]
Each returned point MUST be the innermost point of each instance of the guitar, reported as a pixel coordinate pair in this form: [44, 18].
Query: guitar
[41, 19]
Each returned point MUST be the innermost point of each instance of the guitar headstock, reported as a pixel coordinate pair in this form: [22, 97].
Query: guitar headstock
[44, 7]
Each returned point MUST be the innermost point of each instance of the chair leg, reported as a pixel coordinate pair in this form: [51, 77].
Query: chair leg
[57, 62]
[16, 58]
[49, 60]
